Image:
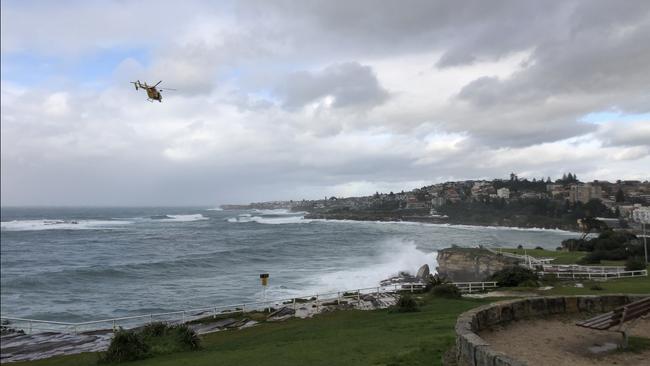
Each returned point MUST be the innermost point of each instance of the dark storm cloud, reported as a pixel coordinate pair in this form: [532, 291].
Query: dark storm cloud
[349, 84]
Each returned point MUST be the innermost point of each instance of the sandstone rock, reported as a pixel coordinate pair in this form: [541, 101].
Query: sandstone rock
[423, 273]
[470, 264]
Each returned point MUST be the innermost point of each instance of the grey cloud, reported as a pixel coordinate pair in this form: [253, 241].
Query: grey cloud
[625, 133]
[349, 84]
[234, 143]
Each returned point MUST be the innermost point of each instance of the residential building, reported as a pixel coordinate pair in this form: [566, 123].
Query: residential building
[584, 192]
[503, 193]
[641, 214]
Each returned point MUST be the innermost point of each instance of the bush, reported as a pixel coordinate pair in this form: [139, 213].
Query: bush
[539, 248]
[596, 287]
[520, 246]
[187, 337]
[406, 304]
[155, 329]
[152, 339]
[591, 258]
[513, 276]
[126, 345]
[635, 264]
[433, 281]
[529, 283]
[447, 290]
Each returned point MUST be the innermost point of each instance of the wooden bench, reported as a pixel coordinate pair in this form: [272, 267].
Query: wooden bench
[618, 316]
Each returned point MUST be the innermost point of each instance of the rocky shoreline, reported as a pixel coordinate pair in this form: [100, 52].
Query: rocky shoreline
[438, 219]
[16, 345]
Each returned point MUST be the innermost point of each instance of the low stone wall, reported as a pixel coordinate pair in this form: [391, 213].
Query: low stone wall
[472, 350]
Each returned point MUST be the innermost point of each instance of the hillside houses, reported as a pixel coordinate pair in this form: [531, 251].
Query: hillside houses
[627, 200]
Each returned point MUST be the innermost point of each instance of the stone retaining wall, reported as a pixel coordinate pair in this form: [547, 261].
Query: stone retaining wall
[472, 350]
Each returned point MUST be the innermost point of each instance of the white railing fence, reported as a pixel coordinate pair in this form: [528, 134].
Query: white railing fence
[595, 275]
[318, 300]
[471, 287]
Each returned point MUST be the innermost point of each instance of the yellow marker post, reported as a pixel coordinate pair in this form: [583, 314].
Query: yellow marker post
[265, 282]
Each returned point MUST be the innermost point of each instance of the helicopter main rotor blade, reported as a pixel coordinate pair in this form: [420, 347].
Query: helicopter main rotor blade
[166, 89]
[157, 83]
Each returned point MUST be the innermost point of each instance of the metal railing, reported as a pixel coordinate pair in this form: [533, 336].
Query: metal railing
[596, 275]
[470, 287]
[527, 259]
[580, 268]
[182, 316]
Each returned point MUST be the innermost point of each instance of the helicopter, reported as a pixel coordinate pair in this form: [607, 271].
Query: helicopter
[153, 93]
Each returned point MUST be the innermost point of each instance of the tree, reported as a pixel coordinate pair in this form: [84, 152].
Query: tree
[620, 196]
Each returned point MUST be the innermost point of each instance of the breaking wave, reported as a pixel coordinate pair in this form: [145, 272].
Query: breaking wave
[271, 217]
[36, 225]
[179, 218]
[214, 209]
[394, 256]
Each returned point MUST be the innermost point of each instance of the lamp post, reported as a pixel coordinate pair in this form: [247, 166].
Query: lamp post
[645, 244]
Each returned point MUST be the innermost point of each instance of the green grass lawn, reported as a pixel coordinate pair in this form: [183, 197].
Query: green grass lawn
[350, 337]
[561, 257]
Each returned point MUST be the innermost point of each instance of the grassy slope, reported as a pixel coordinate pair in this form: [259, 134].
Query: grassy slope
[339, 338]
[638, 285]
[561, 257]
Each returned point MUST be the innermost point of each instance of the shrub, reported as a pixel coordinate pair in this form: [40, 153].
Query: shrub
[434, 280]
[635, 264]
[591, 258]
[447, 290]
[520, 246]
[513, 276]
[529, 283]
[187, 337]
[155, 329]
[152, 339]
[559, 249]
[126, 345]
[539, 248]
[406, 304]
[596, 287]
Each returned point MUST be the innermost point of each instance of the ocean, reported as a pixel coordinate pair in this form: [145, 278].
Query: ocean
[81, 264]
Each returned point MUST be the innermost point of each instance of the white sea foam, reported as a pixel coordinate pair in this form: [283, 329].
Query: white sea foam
[396, 255]
[271, 217]
[185, 218]
[35, 225]
[214, 209]
[270, 220]
[457, 226]
[277, 211]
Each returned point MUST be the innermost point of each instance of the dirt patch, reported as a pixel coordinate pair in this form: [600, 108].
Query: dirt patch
[557, 341]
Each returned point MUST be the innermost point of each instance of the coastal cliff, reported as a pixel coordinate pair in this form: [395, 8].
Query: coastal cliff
[470, 264]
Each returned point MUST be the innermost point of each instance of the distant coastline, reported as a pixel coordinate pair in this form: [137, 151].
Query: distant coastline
[439, 219]
[415, 216]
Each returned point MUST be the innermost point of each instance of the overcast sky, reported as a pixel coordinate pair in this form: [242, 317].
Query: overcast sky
[302, 99]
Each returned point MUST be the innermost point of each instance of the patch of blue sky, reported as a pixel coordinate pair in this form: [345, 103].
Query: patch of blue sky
[29, 69]
[614, 115]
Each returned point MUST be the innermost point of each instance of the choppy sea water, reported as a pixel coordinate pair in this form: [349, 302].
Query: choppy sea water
[79, 264]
